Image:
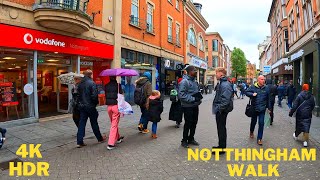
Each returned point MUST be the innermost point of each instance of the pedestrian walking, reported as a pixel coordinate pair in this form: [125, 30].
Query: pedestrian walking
[88, 100]
[176, 112]
[235, 89]
[222, 105]
[155, 110]
[291, 93]
[272, 98]
[3, 132]
[303, 106]
[259, 95]
[190, 97]
[242, 87]
[75, 99]
[281, 93]
[111, 90]
[141, 97]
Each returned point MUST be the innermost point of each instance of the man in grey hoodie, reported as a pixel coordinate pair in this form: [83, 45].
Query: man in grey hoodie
[190, 97]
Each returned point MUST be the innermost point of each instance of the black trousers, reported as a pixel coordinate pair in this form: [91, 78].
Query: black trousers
[221, 119]
[191, 119]
[272, 114]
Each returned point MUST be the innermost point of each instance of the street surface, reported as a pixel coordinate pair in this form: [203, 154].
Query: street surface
[140, 157]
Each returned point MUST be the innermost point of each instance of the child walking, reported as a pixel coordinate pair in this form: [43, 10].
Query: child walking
[155, 110]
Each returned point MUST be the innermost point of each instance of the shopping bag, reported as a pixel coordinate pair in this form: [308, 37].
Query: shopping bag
[267, 119]
[123, 106]
[249, 109]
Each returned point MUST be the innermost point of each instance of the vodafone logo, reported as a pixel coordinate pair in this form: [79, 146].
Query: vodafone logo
[28, 38]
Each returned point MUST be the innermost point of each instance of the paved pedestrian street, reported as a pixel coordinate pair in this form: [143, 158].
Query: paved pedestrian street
[140, 157]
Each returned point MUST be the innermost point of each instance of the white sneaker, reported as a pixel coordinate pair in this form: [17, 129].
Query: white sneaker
[305, 144]
[109, 147]
[294, 136]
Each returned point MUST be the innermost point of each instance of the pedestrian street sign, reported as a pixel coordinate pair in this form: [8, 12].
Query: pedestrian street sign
[266, 69]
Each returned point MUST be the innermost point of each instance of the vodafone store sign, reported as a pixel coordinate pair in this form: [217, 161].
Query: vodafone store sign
[17, 37]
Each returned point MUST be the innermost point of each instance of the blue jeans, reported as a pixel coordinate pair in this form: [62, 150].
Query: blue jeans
[260, 116]
[280, 100]
[290, 103]
[93, 114]
[144, 117]
[154, 127]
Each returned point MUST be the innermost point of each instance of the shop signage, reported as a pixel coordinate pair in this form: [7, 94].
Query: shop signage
[266, 69]
[28, 89]
[86, 63]
[276, 70]
[167, 63]
[198, 63]
[296, 55]
[179, 67]
[8, 94]
[23, 38]
[288, 67]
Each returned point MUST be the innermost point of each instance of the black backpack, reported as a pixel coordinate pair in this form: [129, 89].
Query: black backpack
[139, 95]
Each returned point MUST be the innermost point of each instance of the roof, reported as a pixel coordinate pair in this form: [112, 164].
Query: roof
[214, 33]
[271, 10]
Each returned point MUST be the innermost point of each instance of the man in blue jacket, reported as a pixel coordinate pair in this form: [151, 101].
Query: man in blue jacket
[259, 95]
[190, 97]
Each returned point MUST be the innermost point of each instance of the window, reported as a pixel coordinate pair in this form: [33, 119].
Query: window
[201, 46]
[309, 5]
[134, 18]
[150, 18]
[214, 45]
[286, 40]
[177, 5]
[169, 29]
[214, 61]
[178, 34]
[283, 8]
[305, 17]
[207, 45]
[280, 46]
[192, 37]
[170, 1]
[298, 20]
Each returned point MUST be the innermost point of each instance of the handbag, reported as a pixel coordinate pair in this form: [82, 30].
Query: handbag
[249, 109]
[295, 112]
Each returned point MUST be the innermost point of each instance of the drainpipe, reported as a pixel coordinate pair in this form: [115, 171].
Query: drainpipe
[317, 108]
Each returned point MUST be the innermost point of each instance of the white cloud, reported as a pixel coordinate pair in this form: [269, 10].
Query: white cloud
[241, 23]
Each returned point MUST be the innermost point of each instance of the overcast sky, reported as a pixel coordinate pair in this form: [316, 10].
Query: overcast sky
[241, 23]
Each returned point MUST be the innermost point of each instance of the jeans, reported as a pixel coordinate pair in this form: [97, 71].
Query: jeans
[191, 119]
[221, 119]
[290, 103]
[144, 117]
[280, 100]
[154, 127]
[260, 116]
[93, 114]
[241, 94]
[114, 116]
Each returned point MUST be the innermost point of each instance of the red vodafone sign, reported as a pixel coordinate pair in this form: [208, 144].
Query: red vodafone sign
[17, 37]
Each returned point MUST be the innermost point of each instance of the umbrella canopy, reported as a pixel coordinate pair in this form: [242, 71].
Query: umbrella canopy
[119, 72]
[68, 78]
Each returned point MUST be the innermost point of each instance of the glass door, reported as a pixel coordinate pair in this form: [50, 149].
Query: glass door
[62, 92]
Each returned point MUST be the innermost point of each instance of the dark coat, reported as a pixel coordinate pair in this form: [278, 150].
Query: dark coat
[304, 112]
[261, 101]
[88, 94]
[281, 90]
[111, 90]
[291, 92]
[223, 101]
[176, 111]
[155, 110]
[188, 87]
[273, 92]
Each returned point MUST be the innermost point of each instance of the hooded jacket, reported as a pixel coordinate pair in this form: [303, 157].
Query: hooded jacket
[155, 108]
[147, 87]
[223, 101]
[273, 91]
[88, 94]
[187, 88]
[261, 101]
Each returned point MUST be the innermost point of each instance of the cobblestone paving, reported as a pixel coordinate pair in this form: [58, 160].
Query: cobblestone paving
[140, 157]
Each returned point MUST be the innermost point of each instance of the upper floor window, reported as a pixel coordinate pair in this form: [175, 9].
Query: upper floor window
[134, 18]
[177, 4]
[178, 34]
[283, 9]
[206, 45]
[170, 1]
[169, 29]
[192, 37]
[150, 18]
[214, 45]
[201, 45]
[286, 40]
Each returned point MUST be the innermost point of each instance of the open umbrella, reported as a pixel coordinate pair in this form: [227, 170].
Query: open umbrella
[68, 78]
[119, 72]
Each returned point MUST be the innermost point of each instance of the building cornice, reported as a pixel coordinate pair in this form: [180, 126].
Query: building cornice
[194, 12]
[214, 33]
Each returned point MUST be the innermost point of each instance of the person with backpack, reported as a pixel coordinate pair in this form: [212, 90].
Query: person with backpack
[303, 106]
[176, 112]
[190, 97]
[3, 136]
[141, 97]
[155, 110]
[222, 105]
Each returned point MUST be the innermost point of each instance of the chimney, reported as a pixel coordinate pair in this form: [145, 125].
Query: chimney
[198, 6]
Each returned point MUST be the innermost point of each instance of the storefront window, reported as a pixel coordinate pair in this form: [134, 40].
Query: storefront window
[16, 70]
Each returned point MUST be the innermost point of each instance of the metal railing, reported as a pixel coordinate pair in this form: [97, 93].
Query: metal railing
[76, 5]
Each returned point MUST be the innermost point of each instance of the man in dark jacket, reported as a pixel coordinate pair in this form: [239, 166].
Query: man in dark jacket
[259, 94]
[281, 93]
[222, 105]
[190, 97]
[273, 92]
[88, 100]
[291, 93]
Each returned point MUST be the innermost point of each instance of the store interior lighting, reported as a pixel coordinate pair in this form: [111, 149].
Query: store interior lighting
[9, 58]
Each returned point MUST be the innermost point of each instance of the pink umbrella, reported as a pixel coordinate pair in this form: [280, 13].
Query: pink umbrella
[119, 72]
